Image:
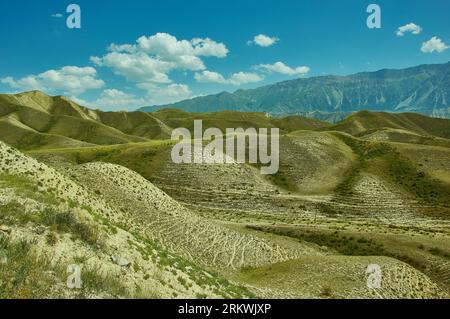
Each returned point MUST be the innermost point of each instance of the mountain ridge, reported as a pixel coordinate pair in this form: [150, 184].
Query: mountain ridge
[35, 120]
[422, 89]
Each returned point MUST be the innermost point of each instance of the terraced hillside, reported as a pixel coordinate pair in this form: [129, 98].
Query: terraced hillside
[374, 189]
[145, 213]
[49, 222]
[152, 213]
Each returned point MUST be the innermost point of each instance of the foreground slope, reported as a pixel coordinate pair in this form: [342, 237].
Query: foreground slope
[49, 222]
[149, 211]
[336, 197]
[140, 208]
[341, 201]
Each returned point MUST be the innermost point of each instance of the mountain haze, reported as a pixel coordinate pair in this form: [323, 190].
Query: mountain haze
[424, 89]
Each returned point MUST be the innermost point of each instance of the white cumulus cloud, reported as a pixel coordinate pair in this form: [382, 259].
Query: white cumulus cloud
[67, 80]
[410, 27]
[136, 67]
[168, 46]
[158, 94]
[263, 40]
[209, 77]
[245, 78]
[116, 100]
[280, 67]
[208, 47]
[434, 44]
[235, 79]
[152, 58]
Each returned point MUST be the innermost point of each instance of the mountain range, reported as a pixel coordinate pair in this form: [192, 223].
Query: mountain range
[423, 89]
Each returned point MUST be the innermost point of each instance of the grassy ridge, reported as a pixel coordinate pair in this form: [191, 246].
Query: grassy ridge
[394, 167]
[420, 254]
[41, 121]
[364, 121]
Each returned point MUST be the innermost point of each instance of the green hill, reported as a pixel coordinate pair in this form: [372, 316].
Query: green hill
[365, 121]
[38, 120]
[35, 120]
[296, 123]
[234, 119]
[101, 190]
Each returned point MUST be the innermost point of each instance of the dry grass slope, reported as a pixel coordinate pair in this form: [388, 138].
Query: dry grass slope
[152, 213]
[49, 222]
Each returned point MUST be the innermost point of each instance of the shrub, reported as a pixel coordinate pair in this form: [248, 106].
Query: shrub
[326, 292]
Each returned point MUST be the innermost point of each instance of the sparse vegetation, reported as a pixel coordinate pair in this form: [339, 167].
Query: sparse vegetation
[346, 245]
[398, 169]
[105, 195]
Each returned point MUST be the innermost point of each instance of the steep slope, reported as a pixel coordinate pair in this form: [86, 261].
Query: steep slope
[403, 136]
[135, 123]
[345, 201]
[49, 222]
[342, 277]
[37, 117]
[313, 162]
[423, 89]
[149, 211]
[434, 160]
[39, 101]
[14, 132]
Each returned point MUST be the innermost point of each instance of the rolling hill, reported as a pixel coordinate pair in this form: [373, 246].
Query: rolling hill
[35, 120]
[362, 122]
[99, 189]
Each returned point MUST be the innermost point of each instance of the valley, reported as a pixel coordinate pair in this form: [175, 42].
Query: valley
[99, 189]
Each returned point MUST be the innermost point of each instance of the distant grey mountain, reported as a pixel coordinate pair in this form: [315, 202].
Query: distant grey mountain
[423, 89]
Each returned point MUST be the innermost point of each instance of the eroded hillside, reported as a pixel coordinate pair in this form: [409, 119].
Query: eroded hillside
[374, 189]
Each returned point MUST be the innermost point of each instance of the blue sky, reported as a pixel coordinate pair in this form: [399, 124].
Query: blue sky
[170, 50]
